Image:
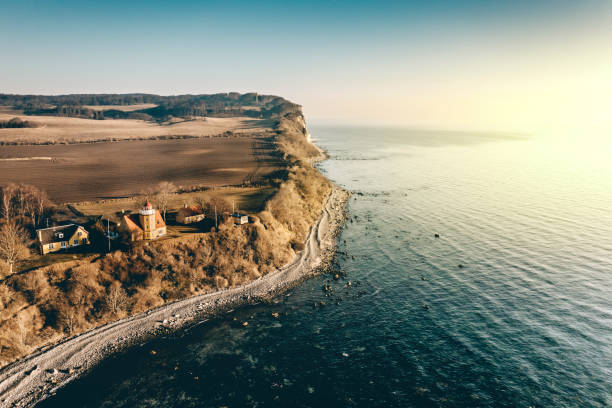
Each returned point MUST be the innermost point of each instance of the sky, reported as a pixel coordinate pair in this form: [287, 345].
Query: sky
[516, 66]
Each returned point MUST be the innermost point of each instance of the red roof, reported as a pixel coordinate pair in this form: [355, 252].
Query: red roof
[132, 221]
[159, 221]
[190, 211]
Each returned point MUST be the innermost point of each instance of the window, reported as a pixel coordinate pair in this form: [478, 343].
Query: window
[63, 244]
[84, 241]
[76, 242]
[50, 246]
[79, 233]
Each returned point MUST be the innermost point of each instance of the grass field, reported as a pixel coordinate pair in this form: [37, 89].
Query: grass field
[56, 129]
[247, 199]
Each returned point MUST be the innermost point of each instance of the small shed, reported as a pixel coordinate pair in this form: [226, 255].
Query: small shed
[240, 219]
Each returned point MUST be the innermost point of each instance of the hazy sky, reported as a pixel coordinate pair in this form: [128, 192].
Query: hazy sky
[507, 65]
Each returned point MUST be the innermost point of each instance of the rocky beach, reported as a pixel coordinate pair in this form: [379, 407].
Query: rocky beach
[38, 376]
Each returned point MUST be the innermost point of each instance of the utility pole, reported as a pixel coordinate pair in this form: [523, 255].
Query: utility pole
[108, 233]
[216, 226]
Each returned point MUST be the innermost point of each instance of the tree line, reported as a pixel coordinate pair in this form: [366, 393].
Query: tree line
[17, 123]
[221, 104]
[22, 206]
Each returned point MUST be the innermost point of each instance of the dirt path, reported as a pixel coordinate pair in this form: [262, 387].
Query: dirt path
[33, 379]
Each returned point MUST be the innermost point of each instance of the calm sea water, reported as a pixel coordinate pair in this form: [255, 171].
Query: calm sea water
[527, 320]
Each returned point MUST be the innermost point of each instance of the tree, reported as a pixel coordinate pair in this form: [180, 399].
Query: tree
[220, 203]
[8, 195]
[163, 191]
[68, 317]
[116, 298]
[202, 202]
[13, 240]
[29, 202]
[42, 203]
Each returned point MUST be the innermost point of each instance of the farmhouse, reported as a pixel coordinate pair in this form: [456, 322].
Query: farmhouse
[57, 238]
[191, 214]
[147, 224]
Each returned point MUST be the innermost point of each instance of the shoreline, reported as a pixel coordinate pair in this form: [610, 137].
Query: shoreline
[36, 377]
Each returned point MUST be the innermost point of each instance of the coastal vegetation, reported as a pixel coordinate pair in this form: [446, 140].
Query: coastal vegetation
[164, 107]
[44, 305]
[17, 123]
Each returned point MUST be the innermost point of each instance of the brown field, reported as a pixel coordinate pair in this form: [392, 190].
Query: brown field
[94, 171]
[56, 129]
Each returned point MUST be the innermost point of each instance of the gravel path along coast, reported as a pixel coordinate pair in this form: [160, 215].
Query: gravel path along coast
[32, 379]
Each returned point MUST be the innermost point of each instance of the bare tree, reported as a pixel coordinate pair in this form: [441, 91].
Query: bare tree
[68, 318]
[148, 193]
[201, 201]
[163, 192]
[22, 330]
[220, 203]
[21, 197]
[42, 203]
[116, 298]
[28, 200]
[13, 240]
[8, 195]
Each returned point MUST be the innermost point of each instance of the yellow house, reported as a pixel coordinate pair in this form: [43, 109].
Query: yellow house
[188, 215]
[147, 224]
[63, 237]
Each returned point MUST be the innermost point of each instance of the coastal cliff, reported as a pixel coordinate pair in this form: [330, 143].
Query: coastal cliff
[291, 238]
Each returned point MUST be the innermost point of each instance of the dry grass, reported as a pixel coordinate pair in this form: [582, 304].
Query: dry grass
[55, 129]
[247, 199]
[47, 304]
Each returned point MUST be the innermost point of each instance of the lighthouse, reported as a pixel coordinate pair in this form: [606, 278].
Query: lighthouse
[147, 221]
[147, 224]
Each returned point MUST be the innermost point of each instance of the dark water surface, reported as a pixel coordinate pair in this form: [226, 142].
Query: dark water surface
[527, 320]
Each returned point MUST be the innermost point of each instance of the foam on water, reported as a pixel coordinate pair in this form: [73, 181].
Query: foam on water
[527, 320]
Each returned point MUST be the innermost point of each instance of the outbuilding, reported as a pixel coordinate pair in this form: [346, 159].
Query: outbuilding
[240, 218]
[190, 214]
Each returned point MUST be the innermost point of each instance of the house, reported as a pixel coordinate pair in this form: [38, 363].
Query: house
[240, 218]
[147, 224]
[191, 214]
[57, 238]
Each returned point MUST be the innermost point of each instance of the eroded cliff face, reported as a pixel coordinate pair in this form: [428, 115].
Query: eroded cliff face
[294, 139]
[66, 299]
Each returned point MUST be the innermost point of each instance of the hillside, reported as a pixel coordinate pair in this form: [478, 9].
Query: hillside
[48, 304]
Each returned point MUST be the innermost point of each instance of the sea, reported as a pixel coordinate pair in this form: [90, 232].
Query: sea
[475, 270]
